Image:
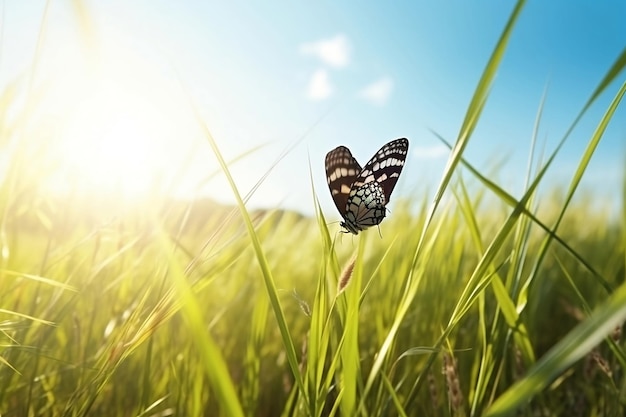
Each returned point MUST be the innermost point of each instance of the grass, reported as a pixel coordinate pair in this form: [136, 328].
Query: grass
[482, 303]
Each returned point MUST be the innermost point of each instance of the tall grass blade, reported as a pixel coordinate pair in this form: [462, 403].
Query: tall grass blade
[215, 366]
[587, 335]
[263, 264]
[564, 354]
[471, 119]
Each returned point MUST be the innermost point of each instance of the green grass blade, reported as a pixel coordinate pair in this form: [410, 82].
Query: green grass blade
[563, 355]
[471, 119]
[263, 264]
[215, 366]
[513, 202]
[477, 104]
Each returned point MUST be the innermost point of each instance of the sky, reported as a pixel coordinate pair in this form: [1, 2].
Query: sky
[119, 83]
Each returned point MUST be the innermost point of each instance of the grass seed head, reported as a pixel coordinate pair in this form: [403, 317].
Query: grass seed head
[455, 395]
[346, 274]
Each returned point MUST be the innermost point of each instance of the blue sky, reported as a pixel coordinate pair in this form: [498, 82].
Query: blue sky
[330, 73]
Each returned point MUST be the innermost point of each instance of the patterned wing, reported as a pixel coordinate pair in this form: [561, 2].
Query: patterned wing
[366, 207]
[341, 171]
[384, 167]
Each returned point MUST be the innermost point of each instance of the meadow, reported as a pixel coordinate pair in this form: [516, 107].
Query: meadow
[468, 301]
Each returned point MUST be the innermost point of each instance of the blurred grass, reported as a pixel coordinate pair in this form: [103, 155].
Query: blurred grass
[191, 308]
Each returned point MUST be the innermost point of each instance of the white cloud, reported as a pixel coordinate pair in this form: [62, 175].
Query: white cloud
[430, 152]
[378, 92]
[319, 86]
[334, 52]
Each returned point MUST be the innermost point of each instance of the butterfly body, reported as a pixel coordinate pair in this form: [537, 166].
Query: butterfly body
[361, 194]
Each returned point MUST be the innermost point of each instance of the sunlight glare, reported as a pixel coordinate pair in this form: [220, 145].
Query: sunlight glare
[108, 144]
[122, 129]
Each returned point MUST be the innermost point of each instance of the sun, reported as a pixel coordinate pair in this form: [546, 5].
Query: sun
[112, 141]
[119, 129]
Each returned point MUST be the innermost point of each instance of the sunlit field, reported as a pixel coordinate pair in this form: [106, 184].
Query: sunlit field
[122, 296]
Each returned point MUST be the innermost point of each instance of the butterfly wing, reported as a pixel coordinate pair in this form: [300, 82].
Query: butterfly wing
[365, 207]
[341, 171]
[384, 167]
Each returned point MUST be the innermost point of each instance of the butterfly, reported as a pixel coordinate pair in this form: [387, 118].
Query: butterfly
[361, 194]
